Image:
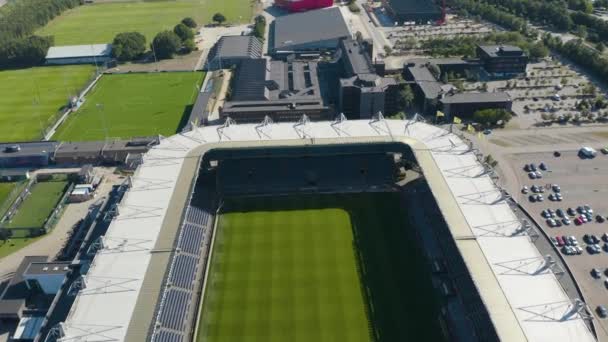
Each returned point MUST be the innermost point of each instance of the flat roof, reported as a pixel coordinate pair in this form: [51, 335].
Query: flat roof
[37, 268]
[28, 327]
[309, 27]
[525, 301]
[79, 51]
[477, 98]
[498, 50]
[414, 6]
[237, 46]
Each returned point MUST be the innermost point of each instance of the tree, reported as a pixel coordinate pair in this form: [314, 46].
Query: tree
[406, 97]
[189, 46]
[189, 22]
[259, 28]
[581, 31]
[183, 32]
[165, 44]
[127, 46]
[219, 18]
[539, 50]
[491, 116]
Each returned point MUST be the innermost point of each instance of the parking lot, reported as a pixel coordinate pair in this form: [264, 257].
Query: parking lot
[582, 182]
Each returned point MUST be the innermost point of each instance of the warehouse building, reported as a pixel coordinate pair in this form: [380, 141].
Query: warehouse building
[282, 90]
[79, 54]
[310, 32]
[231, 50]
[502, 60]
[419, 11]
[465, 104]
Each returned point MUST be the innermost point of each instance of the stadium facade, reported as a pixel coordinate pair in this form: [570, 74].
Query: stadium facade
[151, 263]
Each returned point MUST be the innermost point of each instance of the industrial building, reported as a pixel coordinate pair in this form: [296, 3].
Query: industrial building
[419, 11]
[302, 5]
[363, 93]
[310, 32]
[79, 54]
[465, 104]
[282, 90]
[433, 95]
[231, 50]
[502, 60]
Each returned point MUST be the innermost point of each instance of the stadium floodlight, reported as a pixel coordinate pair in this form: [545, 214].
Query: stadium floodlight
[336, 125]
[300, 126]
[413, 120]
[379, 118]
[265, 124]
[220, 130]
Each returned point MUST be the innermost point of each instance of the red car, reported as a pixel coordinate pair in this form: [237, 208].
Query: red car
[560, 241]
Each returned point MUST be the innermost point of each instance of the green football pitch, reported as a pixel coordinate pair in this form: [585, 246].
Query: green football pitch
[30, 98]
[100, 22]
[37, 206]
[316, 268]
[129, 105]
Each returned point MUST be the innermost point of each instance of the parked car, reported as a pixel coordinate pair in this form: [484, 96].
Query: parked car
[539, 174]
[554, 241]
[556, 188]
[539, 198]
[557, 154]
[587, 152]
[525, 189]
[605, 237]
[596, 273]
[560, 241]
[604, 150]
[600, 218]
[566, 221]
[542, 166]
[578, 249]
[533, 167]
[532, 175]
[571, 212]
[560, 213]
[532, 198]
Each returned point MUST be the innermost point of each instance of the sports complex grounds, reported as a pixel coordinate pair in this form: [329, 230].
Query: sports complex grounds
[317, 268]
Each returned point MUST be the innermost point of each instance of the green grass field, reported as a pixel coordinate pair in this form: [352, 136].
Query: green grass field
[38, 205]
[286, 269]
[99, 23]
[32, 97]
[5, 190]
[133, 105]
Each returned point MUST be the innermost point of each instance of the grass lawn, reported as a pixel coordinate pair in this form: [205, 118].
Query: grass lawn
[31, 97]
[99, 23]
[15, 244]
[5, 190]
[287, 269]
[133, 105]
[38, 205]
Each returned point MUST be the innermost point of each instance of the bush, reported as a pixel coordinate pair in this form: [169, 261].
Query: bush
[219, 18]
[128, 46]
[189, 22]
[491, 116]
[354, 8]
[165, 44]
[259, 29]
[183, 32]
[189, 46]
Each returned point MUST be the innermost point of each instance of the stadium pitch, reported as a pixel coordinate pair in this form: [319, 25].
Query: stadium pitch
[317, 268]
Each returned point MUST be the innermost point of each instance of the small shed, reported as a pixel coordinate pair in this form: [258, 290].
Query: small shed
[79, 54]
[14, 175]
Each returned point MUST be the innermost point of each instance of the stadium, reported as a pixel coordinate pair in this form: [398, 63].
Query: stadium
[361, 230]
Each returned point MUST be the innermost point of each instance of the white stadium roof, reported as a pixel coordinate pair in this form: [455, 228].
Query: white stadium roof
[524, 299]
[79, 51]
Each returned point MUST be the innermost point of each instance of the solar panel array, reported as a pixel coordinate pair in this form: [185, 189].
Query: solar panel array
[179, 294]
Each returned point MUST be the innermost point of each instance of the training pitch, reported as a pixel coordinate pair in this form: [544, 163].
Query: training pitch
[316, 268]
[129, 105]
[37, 206]
[31, 98]
[100, 22]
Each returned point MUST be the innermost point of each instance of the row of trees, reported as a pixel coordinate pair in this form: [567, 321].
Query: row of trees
[18, 21]
[129, 46]
[466, 45]
[579, 53]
